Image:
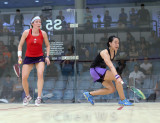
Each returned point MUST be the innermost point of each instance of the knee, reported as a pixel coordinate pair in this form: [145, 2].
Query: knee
[40, 75]
[24, 78]
[112, 90]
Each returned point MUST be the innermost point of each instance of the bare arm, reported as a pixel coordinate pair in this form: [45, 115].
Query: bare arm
[46, 42]
[104, 54]
[47, 46]
[23, 38]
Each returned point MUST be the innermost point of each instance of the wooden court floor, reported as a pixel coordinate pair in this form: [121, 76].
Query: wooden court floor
[80, 113]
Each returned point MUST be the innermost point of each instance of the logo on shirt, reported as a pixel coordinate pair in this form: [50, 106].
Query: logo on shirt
[35, 40]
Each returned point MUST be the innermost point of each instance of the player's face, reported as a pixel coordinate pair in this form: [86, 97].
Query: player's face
[115, 44]
[37, 24]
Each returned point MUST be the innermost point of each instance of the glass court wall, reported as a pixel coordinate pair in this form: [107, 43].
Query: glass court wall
[76, 37]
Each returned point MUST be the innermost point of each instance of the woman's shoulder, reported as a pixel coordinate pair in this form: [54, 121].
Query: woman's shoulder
[104, 51]
[26, 31]
[43, 33]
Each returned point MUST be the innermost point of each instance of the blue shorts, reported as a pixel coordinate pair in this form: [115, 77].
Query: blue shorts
[33, 60]
[98, 74]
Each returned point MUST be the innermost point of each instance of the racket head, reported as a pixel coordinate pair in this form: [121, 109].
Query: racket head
[138, 92]
[16, 68]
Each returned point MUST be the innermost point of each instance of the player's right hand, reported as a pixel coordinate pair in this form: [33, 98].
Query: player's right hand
[19, 60]
[119, 80]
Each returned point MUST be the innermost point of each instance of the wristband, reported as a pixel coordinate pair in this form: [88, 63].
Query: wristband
[19, 53]
[47, 56]
[117, 76]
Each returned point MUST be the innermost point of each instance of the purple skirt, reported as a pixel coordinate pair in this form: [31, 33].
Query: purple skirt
[98, 74]
[33, 60]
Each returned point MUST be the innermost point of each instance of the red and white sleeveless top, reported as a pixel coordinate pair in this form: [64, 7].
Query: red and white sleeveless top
[34, 45]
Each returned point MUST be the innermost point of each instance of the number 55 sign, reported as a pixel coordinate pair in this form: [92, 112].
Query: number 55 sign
[57, 24]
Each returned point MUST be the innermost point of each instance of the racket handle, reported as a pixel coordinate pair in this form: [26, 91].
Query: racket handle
[122, 82]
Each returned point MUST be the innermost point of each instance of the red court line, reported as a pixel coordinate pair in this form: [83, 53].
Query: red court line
[120, 108]
[10, 108]
[15, 108]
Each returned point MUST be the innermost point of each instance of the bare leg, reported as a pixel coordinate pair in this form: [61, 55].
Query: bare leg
[26, 69]
[40, 70]
[109, 88]
[110, 77]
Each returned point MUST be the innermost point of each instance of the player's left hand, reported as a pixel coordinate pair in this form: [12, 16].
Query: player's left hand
[47, 61]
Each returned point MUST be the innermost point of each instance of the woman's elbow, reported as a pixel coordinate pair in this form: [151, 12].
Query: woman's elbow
[109, 65]
[48, 46]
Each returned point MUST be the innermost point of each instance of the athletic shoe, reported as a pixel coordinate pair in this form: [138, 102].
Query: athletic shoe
[88, 97]
[125, 102]
[26, 100]
[38, 101]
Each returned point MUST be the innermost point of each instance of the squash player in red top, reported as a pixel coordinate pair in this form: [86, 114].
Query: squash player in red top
[34, 55]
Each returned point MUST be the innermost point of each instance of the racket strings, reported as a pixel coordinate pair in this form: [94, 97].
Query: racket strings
[138, 92]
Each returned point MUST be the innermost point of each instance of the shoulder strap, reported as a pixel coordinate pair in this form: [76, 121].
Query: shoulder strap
[109, 52]
[114, 55]
[29, 33]
[40, 32]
